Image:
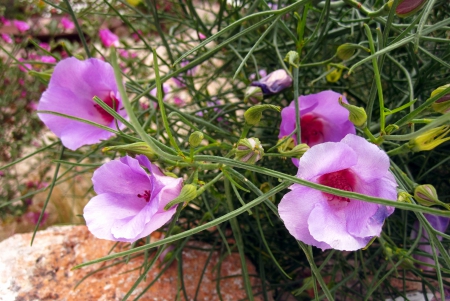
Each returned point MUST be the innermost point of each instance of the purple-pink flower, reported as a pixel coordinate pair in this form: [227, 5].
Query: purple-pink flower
[21, 26]
[6, 38]
[108, 38]
[322, 119]
[274, 82]
[71, 90]
[67, 24]
[329, 221]
[440, 224]
[130, 202]
[179, 80]
[48, 59]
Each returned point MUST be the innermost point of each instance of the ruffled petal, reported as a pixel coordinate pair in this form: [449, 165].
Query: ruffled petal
[325, 158]
[104, 209]
[128, 178]
[329, 226]
[295, 208]
[373, 163]
[74, 136]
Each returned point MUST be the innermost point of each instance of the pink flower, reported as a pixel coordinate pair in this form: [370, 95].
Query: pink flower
[179, 80]
[6, 38]
[5, 21]
[71, 90]
[33, 217]
[130, 202]
[440, 224]
[322, 119]
[21, 25]
[179, 102]
[45, 46]
[67, 24]
[24, 67]
[329, 221]
[262, 73]
[48, 59]
[201, 36]
[108, 38]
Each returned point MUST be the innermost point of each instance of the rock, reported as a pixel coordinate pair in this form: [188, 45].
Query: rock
[43, 271]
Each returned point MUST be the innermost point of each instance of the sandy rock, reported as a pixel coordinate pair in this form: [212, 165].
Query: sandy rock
[43, 271]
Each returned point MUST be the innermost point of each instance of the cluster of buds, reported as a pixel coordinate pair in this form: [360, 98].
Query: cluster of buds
[249, 150]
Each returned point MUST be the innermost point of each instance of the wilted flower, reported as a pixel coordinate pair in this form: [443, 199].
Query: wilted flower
[67, 23]
[440, 224]
[130, 202]
[328, 221]
[274, 82]
[430, 139]
[21, 26]
[108, 38]
[322, 119]
[71, 90]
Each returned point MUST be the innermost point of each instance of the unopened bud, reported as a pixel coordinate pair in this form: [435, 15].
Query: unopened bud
[430, 139]
[249, 150]
[442, 105]
[253, 115]
[297, 151]
[253, 94]
[274, 82]
[287, 144]
[357, 115]
[426, 195]
[292, 58]
[347, 50]
[408, 8]
[404, 197]
[138, 148]
[195, 139]
[187, 194]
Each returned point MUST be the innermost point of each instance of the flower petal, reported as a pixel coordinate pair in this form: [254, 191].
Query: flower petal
[322, 158]
[295, 208]
[102, 211]
[124, 178]
[329, 226]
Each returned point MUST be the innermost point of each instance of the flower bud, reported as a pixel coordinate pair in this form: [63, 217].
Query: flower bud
[187, 194]
[426, 195]
[442, 105]
[403, 197]
[274, 82]
[430, 139]
[249, 150]
[287, 145]
[253, 115]
[357, 115]
[137, 148]
[195, 139]
[334, 75]
[296, 152]
[253, 94]
[407, 8]
[347, 50]
[292, 58]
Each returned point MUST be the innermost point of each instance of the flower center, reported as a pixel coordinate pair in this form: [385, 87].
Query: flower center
[112, 102]
[312, 127]
[146, 196]
[342, 179]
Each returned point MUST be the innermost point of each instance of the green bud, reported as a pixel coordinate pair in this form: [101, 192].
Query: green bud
[334, 75]
[430, 139]
[253, 94]
[287, 145]
[249, 150]
[357, 115]
[195, 139]
[187, 194]
[404, 197]
[426, 195]
[138, 148]
[253, 115]
[442, 105]
[347, 50]
[297, 151]
[292, 58]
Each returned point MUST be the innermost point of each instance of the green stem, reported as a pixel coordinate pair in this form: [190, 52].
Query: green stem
[402, 149]
[297, 106]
